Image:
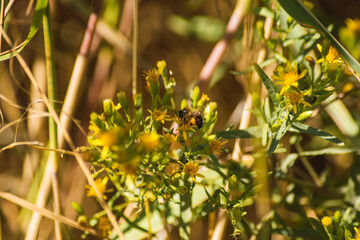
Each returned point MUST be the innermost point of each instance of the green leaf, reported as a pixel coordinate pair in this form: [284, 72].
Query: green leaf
[251, 132]
[303, 128]
[319, 227]
[38, 16]
[288, 162]
[279, 134]
[270, 86]
[328, 151]
[304, 17]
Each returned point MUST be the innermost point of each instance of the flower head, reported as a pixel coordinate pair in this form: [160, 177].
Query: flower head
[353, 25]
[216, 146]
[101, 186]
[288, 77]
[332, 57]
[191, 169]
[170, 137]
[129, 167]
[104, 226]
[294, 98]
[93, 127]
[160, 116]
[151, 76]
[326, 221]
[150, 141]
[357, 237]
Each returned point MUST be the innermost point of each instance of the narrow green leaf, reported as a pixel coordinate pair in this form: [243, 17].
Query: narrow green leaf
[319, 227]
[328, 151]
[251, 132]
[270, 86]
[38, 17]
[304, 17]
[303, 128]
[288, 162]
[279, 134]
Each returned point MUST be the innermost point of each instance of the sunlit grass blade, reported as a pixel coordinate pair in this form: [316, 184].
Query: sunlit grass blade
[38, 16]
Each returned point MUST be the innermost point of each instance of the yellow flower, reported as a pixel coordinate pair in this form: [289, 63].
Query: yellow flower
[293, 98]
[217, 145]
[107, 140]
[150, 141]
[326, 221]
[332, 58]
[170, 137]
[104, 226]
[101, 186]
[184, 125]
[353, 25]
[357, 237]
[151, 76]
[94, 128]
[191, 169]
[129, 167]
[161, 65]
[160, 116]
[288, 77]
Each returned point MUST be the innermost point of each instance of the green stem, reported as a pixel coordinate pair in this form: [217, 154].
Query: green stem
[186, 212]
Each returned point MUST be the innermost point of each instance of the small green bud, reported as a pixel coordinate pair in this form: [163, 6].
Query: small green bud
[167, 97]
[93, 222]
[124, 103]
[275, 126]
[107, 105]
[184, 104]
[79, 210]
[260, 28]
[304, 116]
[195, 96]
[327, 223]
[233, 182]
[337, 216]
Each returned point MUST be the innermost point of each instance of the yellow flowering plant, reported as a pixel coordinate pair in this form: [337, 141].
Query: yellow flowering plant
[155, 159]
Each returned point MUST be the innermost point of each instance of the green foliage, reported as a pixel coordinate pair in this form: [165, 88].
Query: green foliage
[151, 164]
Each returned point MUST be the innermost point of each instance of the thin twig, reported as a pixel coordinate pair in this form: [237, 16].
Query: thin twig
[218, 51]
[68, 139]
[46, 213]
[134, 48]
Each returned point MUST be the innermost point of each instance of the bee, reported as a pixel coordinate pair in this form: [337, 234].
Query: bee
[194, 117]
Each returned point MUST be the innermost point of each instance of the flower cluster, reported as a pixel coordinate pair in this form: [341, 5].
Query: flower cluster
[145, 157]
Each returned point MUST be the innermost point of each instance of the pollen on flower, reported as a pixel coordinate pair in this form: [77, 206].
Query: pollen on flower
[160, 116]
[151, 75]
[333, 56]
[94, 128]
[289, 77]
[191, 169]
[357, 237]
[216, 146]
[294, 98]
[101, 186]
[326, 221]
